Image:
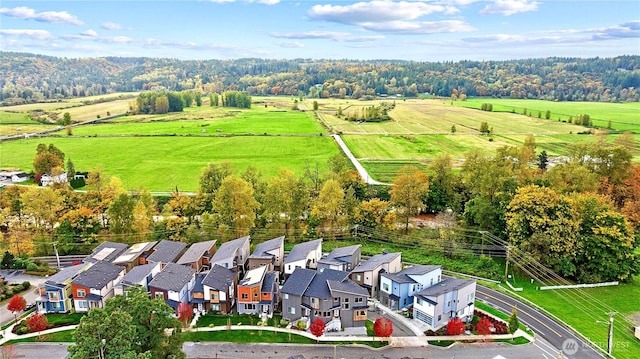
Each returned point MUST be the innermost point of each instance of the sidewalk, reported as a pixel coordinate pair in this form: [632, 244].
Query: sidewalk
[7, 334]
[404, 320]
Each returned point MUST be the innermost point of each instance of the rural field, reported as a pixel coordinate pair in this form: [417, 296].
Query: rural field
[163, 151]
[623, 116]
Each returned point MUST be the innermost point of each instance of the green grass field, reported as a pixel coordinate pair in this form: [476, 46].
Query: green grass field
[586, 311]
[623, 116]
[164, 163]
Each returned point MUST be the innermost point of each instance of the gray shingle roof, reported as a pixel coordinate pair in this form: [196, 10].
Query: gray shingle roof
[138, 273]
[404, 275]
[298, 281]
[167, 252]
[106, 251]
[346, 286]
[267, 283]
[376, 261]
[172, 277]
[98, 275]
[445, 286]
[219, 278]
[65, 274]
[319, 288]
[301, 250]
[261, 249]
[229, 249]
[198, 287]
[337, 255]
[195, 252]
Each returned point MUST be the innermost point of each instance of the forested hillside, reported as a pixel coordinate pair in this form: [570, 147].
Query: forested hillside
[28, 78]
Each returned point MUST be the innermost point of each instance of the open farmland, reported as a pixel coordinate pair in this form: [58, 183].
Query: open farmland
[165, 162]
[623, 116]
[207, 120]
[436, 117]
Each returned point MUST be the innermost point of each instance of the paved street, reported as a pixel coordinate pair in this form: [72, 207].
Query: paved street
[321, 351]
[559, 337]
[13, 276]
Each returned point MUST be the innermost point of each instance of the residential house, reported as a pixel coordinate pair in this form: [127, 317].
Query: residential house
[367, 273]
[303, 255]
[327, 294]
[173, 284]
[233, 254]
[249, 290]
[269, 294]
[343, 258]
[397, 289]
[48, 180]
[167, 252]
[135, 255]
[269, 253]
[14, 176]
[197, 293]
[106, 251]
[219, 286]
[450, 298]
[55, 292]
[139, 276]
[198, 255]
[93, 286]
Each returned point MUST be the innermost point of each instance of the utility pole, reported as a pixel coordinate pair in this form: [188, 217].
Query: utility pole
[506, 267]
[55, 248]
[610, 341]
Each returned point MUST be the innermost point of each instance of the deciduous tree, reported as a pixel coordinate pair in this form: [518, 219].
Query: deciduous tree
[234, 206]
[543, 224]
[514, 323]
[16, 305]
[104, 334]
[484, 326]
[455, 326]
[317, 327]
[329, 207]
[37, 323]
[185, 312]
[409, 189]
[382, 327]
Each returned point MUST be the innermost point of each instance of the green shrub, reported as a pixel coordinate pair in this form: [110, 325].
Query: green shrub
[301, 325]
[284, 322]
[32, 267]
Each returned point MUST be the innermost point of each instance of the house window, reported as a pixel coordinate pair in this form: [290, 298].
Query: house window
[359, 300]
[336, 313]
[255, 295]
[292, 310]
[419, 300]
[358, 277]
[244, 296]
[159, 295]
[226, 265]
[470, 297]
[81, 293]
[315, 303]
[250, 306]
[360, 314]
[214, 296]
[439, 317]
[448, 303]
[53, 296]
[413, 288]
[82, 304]
[289, 267]
[385, 287]
[430, 284]
[285, 296]
[215, 307]
[345, 304]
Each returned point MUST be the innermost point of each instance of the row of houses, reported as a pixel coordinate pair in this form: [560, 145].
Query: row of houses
[303, 285]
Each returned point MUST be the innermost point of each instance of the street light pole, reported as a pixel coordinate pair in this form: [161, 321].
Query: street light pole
[610, 341]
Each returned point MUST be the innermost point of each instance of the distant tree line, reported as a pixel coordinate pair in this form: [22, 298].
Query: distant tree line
[563, 79]
[236, 99]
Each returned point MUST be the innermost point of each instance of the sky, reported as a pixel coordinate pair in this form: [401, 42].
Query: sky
[427, 30]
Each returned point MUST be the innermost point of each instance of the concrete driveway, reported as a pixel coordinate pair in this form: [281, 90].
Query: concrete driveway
[18, 276]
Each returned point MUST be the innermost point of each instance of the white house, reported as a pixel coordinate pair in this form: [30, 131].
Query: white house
[451, 298]
[303, 255]
[48, 180]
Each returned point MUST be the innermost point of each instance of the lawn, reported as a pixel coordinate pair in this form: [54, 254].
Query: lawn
[246, 336]
[587, 310]
[205, 121]
[164, 163]
[623, 116]
[236, 319]
[63, 336]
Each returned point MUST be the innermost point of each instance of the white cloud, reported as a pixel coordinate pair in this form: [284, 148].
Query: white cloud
[111, 26]
[509, 7]
[374, 11]
[266, 2]
[290, 44]
[89, 33]
[386, 16]
[34, 34]
[26, 13]
[419, 27]
[326, 35]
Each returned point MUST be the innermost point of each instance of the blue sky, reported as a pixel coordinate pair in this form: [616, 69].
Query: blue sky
[432, 30]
